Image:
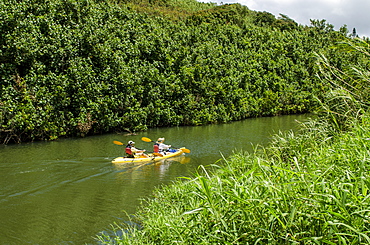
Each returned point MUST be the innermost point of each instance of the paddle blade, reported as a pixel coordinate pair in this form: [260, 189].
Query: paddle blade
[185, 150]
[146, 139]
[117, 142]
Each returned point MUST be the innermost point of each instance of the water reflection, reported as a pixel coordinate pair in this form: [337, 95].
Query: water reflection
[138, 171]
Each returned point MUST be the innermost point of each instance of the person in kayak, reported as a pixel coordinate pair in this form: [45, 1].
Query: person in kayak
[160, 147]
[131, 150]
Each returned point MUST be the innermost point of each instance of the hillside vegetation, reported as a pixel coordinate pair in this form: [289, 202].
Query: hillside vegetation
[74, 68]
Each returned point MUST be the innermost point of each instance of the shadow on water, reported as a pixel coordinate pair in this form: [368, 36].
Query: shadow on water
[68, 191]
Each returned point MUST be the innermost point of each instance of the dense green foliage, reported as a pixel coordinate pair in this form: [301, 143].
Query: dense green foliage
[72, 68]
[307, 188]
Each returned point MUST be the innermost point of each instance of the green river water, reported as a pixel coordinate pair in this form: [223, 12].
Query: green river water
[68, 191]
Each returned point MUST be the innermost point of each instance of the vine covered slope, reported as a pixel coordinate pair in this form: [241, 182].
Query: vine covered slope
[74, 68]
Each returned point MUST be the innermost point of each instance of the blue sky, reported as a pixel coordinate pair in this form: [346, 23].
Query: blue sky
[353, 13]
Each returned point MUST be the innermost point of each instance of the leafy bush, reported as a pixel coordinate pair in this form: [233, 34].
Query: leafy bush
[72, 68]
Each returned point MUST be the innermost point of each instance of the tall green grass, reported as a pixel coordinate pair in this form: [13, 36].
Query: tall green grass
[349, 96]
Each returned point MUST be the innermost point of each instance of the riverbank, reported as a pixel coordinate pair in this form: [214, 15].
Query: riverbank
[310, 187]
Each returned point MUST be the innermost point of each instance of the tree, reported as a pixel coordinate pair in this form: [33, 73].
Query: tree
[322, 25]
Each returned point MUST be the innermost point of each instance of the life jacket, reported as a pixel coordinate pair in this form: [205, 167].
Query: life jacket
[128, 150]
[156, 147]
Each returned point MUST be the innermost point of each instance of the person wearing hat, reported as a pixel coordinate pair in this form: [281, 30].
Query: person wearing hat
[131, 150]
[160, 147]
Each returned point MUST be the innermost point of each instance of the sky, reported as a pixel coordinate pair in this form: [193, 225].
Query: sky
[353, 13]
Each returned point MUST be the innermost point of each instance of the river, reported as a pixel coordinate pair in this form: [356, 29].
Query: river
[68, 191]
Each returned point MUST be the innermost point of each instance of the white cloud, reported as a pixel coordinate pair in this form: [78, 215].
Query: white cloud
[353, 13]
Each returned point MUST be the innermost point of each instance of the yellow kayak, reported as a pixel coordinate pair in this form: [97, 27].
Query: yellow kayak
[150, 158]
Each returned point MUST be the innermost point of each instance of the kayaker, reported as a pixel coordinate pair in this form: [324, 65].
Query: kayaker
[160, 147]
[131, 150]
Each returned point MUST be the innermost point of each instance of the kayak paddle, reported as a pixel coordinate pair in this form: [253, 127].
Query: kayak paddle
[117, 142]
[149, 140]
